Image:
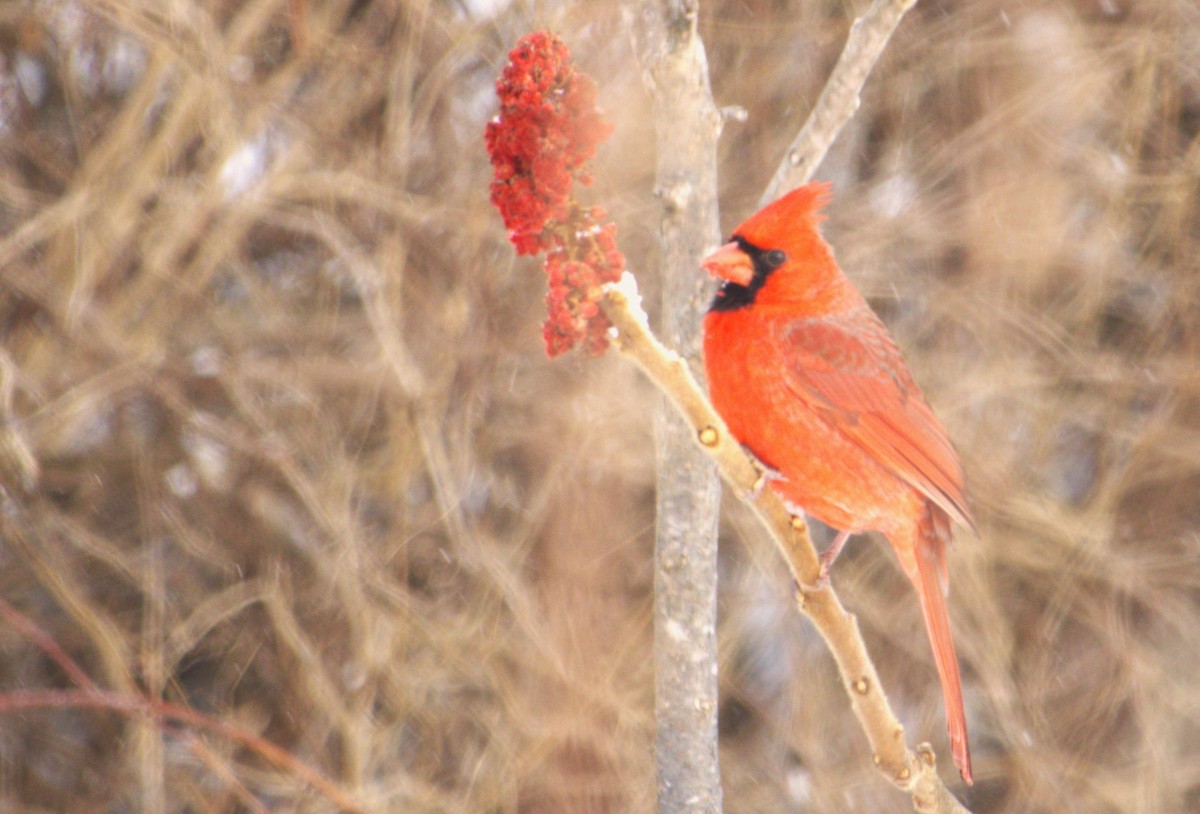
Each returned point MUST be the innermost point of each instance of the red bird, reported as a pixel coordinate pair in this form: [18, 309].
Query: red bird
[808, 378]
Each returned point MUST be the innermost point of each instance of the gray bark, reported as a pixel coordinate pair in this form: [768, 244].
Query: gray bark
[687, 125]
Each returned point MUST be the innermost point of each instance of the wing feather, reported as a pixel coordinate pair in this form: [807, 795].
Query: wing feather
[846, 367]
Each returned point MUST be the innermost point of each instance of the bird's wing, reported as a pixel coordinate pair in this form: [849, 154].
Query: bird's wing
[848, 370]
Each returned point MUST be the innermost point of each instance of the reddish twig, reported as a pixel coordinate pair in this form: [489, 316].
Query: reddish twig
[45, 642]
[91, 696]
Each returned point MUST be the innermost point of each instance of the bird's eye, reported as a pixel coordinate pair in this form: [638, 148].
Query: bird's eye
[775, 258]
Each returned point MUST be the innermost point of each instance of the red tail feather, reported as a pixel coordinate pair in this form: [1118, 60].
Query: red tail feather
[931, 587]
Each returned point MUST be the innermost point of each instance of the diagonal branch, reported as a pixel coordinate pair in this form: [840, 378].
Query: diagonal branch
[915, 773]
[840, 98]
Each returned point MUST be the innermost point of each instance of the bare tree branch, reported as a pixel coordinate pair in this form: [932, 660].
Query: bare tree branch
[915, 773]
[689, 496]
[840, 98]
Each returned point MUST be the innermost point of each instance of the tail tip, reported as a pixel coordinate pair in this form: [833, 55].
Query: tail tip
[962, 760]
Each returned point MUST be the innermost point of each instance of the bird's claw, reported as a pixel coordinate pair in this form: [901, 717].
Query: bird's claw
[823, 573]
[826, 558]
[759, 484]
[821, 584]
[765, 476]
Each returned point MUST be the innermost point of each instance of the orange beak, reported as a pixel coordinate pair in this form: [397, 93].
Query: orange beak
[730, 263]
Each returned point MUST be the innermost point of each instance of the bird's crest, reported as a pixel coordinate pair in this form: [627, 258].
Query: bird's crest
[798, 208]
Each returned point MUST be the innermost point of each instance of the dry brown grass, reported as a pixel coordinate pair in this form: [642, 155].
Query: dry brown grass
[278, 441]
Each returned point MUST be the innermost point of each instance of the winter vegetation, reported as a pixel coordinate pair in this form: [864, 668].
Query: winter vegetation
[297, 515]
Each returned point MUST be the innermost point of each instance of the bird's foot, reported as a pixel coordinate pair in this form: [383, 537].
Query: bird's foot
[829, 555]
[765, 476]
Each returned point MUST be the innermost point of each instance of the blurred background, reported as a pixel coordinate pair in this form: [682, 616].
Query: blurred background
[279, 441]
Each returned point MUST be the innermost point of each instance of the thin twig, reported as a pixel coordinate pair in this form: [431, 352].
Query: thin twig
[915, 773]
[91, 696]
[45, 642]
[840, 98]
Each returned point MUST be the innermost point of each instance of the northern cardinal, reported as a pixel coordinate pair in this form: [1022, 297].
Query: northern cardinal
[808, 378]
